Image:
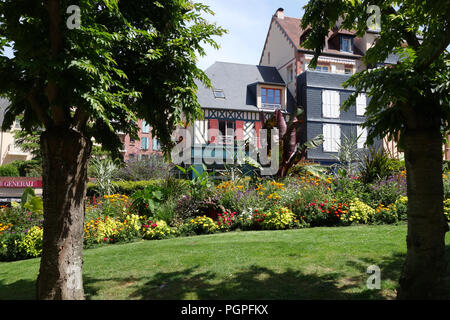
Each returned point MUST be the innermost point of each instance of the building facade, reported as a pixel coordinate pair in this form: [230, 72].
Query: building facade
[141, 148]
[9, 149]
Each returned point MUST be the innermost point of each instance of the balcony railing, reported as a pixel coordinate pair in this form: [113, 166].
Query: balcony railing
[271, 106]
[16, 151]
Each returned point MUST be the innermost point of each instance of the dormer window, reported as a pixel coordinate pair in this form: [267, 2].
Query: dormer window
[346, 44]
[271, 98]
[219, 94]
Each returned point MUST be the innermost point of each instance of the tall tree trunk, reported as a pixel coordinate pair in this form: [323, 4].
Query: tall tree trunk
[65, 154]
[424, 272]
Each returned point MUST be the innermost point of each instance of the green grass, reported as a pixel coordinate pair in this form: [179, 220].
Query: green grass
[316, 263]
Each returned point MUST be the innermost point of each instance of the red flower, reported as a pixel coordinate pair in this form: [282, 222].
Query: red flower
[105, 239]
[154, 225]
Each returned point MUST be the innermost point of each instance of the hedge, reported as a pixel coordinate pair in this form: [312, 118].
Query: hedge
[130, 187]
[124, 187]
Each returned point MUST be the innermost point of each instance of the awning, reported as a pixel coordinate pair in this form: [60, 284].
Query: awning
[331, 59]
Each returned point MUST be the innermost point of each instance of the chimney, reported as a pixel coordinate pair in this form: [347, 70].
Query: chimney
[280, 13]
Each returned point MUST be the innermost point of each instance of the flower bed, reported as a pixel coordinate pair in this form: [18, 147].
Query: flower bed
[161, 212]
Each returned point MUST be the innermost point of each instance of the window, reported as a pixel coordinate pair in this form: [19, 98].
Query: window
[290, 73]
[200, 131]
[322, 68]
[145, 127]
[348, 71]
[332, 137]
[346, 44]
[271, 98]
[219, 94]
[330, 104]
[144, 143]
[156, 144]
[226, 130]
[361, 103]
[361, 133]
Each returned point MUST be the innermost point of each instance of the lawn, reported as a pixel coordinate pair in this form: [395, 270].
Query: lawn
[313, 263]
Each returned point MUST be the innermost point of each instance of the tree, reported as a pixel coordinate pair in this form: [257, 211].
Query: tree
[89, 71]
[292, 148]
[411, 100]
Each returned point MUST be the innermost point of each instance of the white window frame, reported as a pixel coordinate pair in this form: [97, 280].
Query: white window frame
[362, 134]
[331, 104]
[361, 104]
[200, 132]
[332, 137]
[145, 127]
[144, 146]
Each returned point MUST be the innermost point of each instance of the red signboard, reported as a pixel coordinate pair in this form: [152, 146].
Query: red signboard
[20, 182]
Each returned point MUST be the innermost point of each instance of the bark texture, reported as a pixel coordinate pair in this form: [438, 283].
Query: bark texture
[423, 274]
[65, 154]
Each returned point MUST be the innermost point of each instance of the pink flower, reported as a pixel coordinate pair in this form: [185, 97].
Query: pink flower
[154, 225]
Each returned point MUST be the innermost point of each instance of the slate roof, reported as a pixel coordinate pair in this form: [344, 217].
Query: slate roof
[238, 82]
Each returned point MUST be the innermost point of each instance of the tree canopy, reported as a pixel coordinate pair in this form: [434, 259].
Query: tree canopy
[128, 60]
[418, 32]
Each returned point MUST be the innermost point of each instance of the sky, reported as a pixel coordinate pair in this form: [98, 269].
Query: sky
[247, 22]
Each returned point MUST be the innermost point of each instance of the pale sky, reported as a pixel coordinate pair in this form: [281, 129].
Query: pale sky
[247, 22]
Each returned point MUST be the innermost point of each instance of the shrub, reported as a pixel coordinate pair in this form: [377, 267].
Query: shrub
[110, 230]
[200, 225]
[9, 170]
[30, 246]
[153, 167]
[281, 218]
[359, 212]
[103, 170]
[123, 187]
[446, 181]
[323, 213]
[9, 246]
[375, 165]
[244, 221]
[156, 230]
[20, 219]
[402, 208]
[30, 168]
[386, 191]
[226, 220]
[447, 209]
[385, 214]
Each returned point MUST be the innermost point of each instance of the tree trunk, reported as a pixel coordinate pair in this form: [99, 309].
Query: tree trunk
[424, 271]
[65, 155]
